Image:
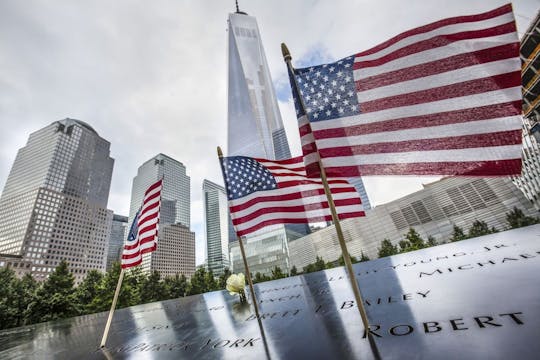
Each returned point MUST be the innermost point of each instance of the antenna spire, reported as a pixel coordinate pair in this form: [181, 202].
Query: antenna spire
[238, 9]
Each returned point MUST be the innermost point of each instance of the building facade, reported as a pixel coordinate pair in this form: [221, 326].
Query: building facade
[432, 211]
[54, 204]
[216, 216]
[529, 181]
[175, 253]
[175, 210]
[255, 127]
[119, 231]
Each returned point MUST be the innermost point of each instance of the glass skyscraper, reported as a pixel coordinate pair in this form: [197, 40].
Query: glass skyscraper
[54, 204]
[255, 127]
[216, 227]
[175, 210]
[119, 231]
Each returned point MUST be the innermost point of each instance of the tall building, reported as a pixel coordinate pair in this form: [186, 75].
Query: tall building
[54, 204]
[255, 127]
[175, 203]
[529, 181]
[216, 222]
[432, 211]
[119, 231]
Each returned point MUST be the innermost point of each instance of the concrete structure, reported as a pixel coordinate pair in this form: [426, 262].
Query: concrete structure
[216, 227]
[54, 204]
[432, 211]
[529, 181]
[119, 231]
[175, 210]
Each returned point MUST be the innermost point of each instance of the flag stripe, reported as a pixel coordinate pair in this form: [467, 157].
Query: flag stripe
[310, 214]
[472, 168]
[426, 29]
[312, 201]
[494, 153]
[445, 143]
[449, 77]
[434, 43]
[414, 122]
[457, 90]
[287, 197]
[458, 61]
[431, 132]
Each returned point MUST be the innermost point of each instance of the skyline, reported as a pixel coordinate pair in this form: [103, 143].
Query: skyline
[145, 78]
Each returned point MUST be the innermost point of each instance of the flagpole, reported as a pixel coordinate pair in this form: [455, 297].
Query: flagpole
[335, 218]
[113, 307]
[246, 266]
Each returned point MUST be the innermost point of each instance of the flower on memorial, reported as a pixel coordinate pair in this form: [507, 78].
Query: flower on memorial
[236, 284]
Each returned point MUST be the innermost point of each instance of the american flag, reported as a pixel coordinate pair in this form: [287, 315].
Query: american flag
[267, 192]
[441, 99]
[143, 233]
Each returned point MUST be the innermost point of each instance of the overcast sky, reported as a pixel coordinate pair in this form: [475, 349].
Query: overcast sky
[151, 76]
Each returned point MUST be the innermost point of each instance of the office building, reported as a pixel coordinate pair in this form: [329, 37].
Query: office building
[529, 181]
[119, 231]
[54, 204]
[432, 211]
[216, 221]
[255, 127]
[175, 210]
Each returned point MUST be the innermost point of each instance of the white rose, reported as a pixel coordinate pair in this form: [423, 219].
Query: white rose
[236, 284]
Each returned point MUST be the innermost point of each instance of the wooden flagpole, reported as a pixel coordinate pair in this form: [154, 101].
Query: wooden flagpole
[246, 266]
[335, 218]
[113, 307]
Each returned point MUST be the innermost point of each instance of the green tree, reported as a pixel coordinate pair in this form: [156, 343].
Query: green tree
[277, 273]
[55, 299]
[363, 257]
[175, 286]
[516, 219]
[152, 288]
[458, 234]
[479, 228]
[8, 298]
[294, 271]
[341, 261]
[88, 290]
[260, 277]
[198, 282]
[387, 249]
[26, 289]
[222, 280]
[318, 265]
[431, 241]
[129, 295]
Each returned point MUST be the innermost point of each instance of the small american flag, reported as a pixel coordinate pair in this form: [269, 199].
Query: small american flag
[143, 233]
[441, 99]
[267, 192]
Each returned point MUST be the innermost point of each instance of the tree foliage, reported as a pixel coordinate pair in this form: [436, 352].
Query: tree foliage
[458, 234]
[516, 219]
[480, 228]
[387, 249]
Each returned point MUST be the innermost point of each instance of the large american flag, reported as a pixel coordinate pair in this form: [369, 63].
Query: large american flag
[444, 99]
[267, 192]
[143, 234]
